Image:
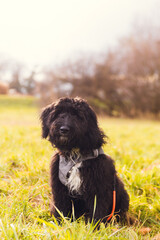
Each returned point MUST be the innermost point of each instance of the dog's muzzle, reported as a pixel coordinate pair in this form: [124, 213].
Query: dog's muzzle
[64, 130]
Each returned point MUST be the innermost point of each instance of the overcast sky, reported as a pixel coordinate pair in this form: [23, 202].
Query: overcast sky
[50, 31]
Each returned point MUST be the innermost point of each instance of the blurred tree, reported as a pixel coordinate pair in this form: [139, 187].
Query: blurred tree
[29, 84]
[15, 82]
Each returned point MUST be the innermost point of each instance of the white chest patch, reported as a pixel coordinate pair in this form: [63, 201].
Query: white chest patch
[74, 181]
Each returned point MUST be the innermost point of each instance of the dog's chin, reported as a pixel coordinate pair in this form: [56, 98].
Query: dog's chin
[64, 143]
[63, 140]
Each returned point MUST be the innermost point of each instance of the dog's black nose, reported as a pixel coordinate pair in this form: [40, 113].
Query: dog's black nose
[64, 129]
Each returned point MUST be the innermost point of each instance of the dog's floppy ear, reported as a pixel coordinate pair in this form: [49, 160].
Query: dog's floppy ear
[45, 121]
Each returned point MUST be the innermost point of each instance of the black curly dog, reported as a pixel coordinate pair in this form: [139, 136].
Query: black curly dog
[81, 174]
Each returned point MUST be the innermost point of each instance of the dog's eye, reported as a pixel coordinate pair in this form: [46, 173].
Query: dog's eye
[81, 116]
[62, 116]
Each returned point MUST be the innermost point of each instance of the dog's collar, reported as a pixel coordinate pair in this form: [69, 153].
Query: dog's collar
[66, 163]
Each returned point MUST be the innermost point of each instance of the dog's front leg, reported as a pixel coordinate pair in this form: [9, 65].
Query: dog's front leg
[61, 199]
[61, 204]
[99, 209]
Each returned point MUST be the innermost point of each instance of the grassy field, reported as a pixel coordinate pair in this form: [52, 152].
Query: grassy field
[24, 176]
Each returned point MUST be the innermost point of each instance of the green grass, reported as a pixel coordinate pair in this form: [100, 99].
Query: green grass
[24, 176]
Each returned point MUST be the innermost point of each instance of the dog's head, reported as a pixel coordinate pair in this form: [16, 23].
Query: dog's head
[71, 123]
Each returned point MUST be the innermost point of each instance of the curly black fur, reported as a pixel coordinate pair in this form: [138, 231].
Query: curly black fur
[69, 124]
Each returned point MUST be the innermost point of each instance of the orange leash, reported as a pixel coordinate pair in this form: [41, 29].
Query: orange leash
[114, 199]
[114, 205]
